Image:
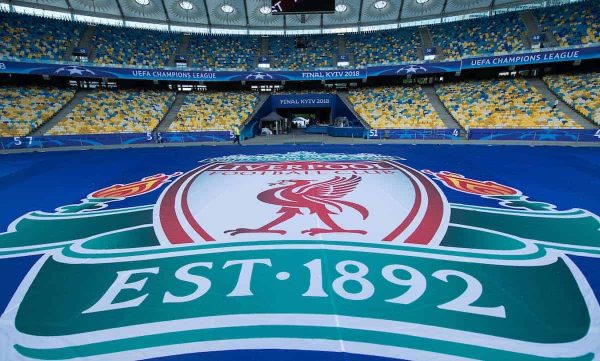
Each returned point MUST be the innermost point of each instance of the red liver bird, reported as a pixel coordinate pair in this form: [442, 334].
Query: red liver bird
[322, 198]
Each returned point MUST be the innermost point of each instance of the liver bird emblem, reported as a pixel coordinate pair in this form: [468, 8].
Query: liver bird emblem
[321, 198]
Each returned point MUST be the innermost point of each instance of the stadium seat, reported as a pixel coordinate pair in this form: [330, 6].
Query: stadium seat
[574, 24]
[580, 91]
[29, 37]
[501, 33]
[223, 52]
[112, 111]
[385, 47]
[126, 46]
[395, 108]
[23, 109]
[214, 111]
[508, 103]
[318, 52]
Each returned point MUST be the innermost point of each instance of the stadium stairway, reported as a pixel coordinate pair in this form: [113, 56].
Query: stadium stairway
[67, 56]
[182, 49]
[86, 38]
[262, 108]
[550, 40]
[341, 41]
[262, 99]
[84, 41]
[425, 37]
[543, 89]
[532, 27]
[344, 97]
[440, 108]
[426, 42]
[264, 46]
[45, 127]
[263, 52]
[166, 121]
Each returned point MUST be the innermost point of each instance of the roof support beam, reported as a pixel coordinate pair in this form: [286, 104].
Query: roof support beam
[400, 11]
[69, 7]
[207, 13]
[120, 10]
[444, 8]
[360, 11]
[70, 10]
[162, 2]
[246, 13]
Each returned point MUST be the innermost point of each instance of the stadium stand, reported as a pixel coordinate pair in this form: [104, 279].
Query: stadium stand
[109, 111]
[214, 111]
[395, 108]
[317, 53]
[223, 52]
[23, 109]
[486, 35]
[386, 47]
[29, 37]
[125, 46]
[509, 103]
[573, 24]
[581, 92]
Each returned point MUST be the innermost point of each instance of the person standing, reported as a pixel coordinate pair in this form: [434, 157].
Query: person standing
[236, 134]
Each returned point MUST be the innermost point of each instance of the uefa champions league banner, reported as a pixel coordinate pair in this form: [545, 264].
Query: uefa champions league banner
[93, 71]
[549, 56]
[564, 135]
[414, 69]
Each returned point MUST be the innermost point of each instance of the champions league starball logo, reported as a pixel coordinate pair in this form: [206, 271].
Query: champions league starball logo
[259, 76]
[356, 253]
[74, 71]
[411, 69]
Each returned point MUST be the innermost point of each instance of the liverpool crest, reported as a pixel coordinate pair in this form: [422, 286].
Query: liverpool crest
[356, 253]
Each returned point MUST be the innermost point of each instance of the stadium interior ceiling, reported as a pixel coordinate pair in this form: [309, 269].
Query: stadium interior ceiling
[254, 17]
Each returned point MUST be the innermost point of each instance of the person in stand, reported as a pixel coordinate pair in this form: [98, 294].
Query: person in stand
[555, 104]
[236, 134]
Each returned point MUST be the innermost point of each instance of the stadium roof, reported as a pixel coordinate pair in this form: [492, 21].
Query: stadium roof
[253, 16]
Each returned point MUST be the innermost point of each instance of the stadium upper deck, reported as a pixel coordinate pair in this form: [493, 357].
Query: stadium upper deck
[41, 38]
